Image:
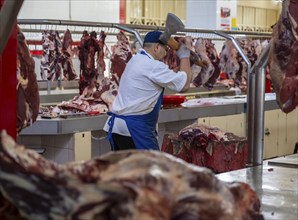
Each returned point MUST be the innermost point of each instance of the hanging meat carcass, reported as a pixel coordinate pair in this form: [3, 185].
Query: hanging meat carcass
[171, 59]
[283, 57]
[206, 72]
[205, 53]
[120, 185]
[66, 57]
[121, 54]
[233, 65]
[101, 65]
[228, 60]
[97, 92]
[88, 49]
[50, 65]
[27, 87]
[214, 58]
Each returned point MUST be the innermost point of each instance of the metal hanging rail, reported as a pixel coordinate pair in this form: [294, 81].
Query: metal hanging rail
[136, 30]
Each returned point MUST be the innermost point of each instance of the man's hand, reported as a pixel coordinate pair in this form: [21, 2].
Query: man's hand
[183, 52]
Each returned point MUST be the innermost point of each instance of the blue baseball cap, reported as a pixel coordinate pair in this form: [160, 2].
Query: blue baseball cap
[153, 37]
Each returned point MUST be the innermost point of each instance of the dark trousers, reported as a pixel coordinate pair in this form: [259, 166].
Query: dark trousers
[122, 142]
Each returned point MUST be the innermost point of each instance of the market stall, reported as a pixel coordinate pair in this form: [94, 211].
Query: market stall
[136, 185]
[136, 31]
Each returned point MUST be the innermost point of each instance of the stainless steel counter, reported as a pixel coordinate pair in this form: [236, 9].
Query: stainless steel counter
[93, 123]
[276, 186]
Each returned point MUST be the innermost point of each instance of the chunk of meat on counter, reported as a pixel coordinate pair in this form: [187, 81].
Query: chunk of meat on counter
[118, 185]
[283, 57]
[207, 146]
[98, 97]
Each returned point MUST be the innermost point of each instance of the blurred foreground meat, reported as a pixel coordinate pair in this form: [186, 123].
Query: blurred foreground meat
[283, 57]
[27, 87]
[119, 185]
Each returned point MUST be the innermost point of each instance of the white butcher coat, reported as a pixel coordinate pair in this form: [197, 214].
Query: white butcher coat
[140, 87]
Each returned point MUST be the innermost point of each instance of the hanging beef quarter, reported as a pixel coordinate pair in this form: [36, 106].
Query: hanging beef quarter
[27, 87]
[101, 65]
[283, 57]
[121, 54]
[206, 72]
[66, 57]
[88, 50]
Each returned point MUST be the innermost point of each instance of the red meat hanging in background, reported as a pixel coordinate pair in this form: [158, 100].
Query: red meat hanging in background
[27, 87]
[205, 51]
[66, 57]
[97, 92]
[121, 54]
[204, 73]
[50, 65]
[228, 60]
[234, 66]
[88, 49]
[214, 58]
[171, 59]
[283, 57]
[101, 65]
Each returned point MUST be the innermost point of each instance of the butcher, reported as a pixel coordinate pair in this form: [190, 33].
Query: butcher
[133, 118]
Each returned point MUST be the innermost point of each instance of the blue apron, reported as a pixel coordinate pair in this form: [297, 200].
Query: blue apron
[142, 128]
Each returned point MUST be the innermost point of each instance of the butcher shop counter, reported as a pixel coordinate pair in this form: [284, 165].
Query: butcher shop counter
[82, 137]
[276, 184]
[227, 105]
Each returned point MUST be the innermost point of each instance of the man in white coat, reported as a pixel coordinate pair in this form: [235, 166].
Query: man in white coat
[134, 115]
